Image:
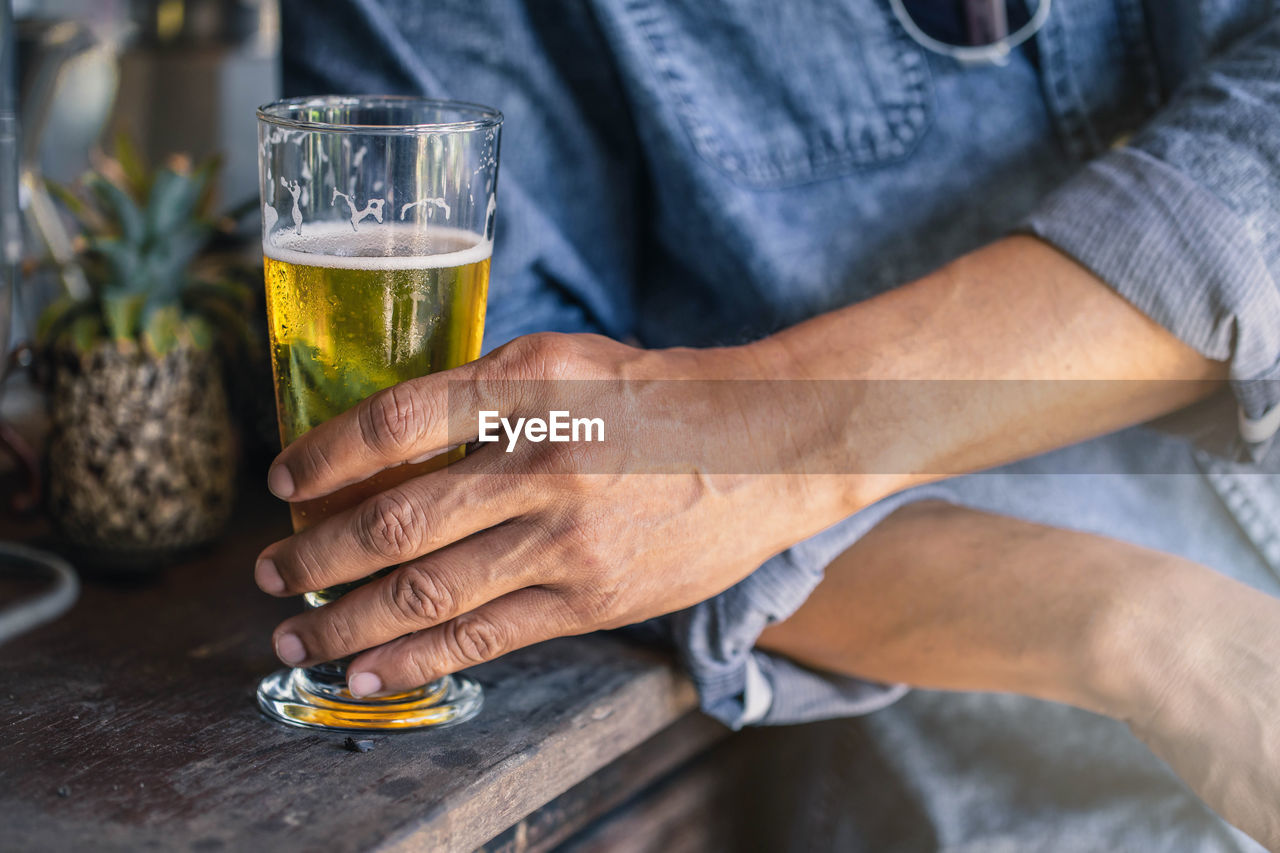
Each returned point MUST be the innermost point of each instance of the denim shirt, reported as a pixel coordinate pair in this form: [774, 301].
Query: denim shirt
[703, 172]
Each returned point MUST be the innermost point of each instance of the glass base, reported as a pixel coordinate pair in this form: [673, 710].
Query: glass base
[317, 698]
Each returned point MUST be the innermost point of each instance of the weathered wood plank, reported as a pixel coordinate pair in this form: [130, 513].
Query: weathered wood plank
[611, 786]
[709, 804]
[138, 705]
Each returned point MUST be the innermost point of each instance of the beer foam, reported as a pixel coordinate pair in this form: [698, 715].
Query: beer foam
[388, 247]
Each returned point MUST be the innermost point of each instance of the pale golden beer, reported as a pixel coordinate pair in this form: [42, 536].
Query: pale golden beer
[344, 325]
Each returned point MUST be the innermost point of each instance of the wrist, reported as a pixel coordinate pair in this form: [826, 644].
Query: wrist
[846, 424]
[832, 431]
[1144, 635]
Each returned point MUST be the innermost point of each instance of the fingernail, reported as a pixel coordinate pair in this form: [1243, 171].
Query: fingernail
[363, 683]
[289, 649]
[268, 577]
[280, 481]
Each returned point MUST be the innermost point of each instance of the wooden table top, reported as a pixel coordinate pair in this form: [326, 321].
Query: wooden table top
[130, 723]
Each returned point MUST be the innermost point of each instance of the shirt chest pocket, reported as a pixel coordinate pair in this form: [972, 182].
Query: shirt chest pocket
[780, 92]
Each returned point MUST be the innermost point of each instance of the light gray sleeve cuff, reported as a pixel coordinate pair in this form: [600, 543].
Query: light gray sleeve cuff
[741, 685]
[1180, 255]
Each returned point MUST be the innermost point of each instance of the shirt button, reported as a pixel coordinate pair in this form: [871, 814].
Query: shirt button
[1258, 430]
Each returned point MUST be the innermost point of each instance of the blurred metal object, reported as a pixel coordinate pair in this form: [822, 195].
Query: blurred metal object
[11, 441]
[51, 47]
[68, 75]
[49, 604]
[15, 558]
[237, 23]
[10, 219]
[192, 79]
[60, 79]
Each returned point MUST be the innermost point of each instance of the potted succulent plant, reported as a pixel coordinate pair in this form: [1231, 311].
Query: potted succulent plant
[141, 449]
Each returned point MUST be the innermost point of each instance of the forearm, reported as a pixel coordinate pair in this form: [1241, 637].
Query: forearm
[944, 597]
[1016, 310]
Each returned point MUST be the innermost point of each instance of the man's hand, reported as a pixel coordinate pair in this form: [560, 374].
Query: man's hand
[500, 550]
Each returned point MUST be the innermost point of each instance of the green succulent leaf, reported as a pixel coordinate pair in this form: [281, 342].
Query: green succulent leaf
[229, 324]
[122, 312]
[235, 294]
[85, 216]
[201, 332]
[72, 202]
[84, 333]
[55, 319]
[237, 212]
[162, 328]
[120, 209]
[125, 272]
[136, 176]
[142, 231]
[204, 175]
[179, 248]
[166, 266]
[171, 203]
[57, 315]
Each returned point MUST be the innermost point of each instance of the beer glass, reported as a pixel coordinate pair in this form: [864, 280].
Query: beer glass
[377, 228]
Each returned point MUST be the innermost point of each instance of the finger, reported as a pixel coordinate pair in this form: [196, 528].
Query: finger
[404, 522]
[408, 422]
[418, 595]
[518, 619]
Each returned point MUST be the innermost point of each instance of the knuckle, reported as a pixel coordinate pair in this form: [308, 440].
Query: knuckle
[578, 466]
[543, 460]
[389, 526]
[419, 597]
[586, 469]
[600, 605]
[577, 460]
[393, 420]
[474, 639]
[598, 597]
[520, 372]
[585, 536]
[545, 355]
[494, 383]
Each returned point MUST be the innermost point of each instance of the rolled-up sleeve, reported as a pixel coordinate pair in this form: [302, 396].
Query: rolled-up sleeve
[1184, 223]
